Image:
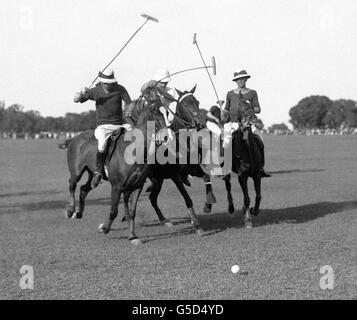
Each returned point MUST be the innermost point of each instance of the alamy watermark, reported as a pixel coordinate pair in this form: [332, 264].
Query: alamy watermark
[189, 146]
[327, 281]
[27, 279]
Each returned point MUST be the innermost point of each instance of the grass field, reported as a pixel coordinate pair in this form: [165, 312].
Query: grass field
[308, 220]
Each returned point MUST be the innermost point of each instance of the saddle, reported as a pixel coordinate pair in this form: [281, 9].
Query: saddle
[110, 149]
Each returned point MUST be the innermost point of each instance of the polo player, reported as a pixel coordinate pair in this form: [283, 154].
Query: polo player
[108, 96]
[235, 110]
[157, 88]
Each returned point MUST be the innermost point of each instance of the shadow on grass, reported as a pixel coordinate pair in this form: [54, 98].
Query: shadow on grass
[295, 171]
[219, 222]
[28, 193]
[53, 205]
[300, 214]
[172, 233]
[47, 205]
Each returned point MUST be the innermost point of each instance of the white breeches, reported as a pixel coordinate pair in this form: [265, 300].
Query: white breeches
[103, 132]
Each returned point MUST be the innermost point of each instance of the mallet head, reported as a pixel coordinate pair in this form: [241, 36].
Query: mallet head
[214, 65]
[149, 17]
[194, 38]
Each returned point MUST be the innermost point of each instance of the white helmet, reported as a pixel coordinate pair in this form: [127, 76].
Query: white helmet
[162, 75]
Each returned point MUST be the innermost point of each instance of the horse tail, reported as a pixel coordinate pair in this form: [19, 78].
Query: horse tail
[64, 145]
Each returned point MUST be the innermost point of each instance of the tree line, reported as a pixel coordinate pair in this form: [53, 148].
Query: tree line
[313, 112]
[14, 119]
[320, 112]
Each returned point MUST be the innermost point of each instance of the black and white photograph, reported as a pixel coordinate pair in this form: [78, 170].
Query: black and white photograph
[185, 151]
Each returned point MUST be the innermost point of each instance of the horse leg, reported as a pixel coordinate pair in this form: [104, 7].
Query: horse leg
[73, 180]
[134, 197]
[115, 196]
[243, 181]
[85, 189]
[130, 213]
[210, 197]
[153, 199]
[227, 182]
[71, 206]
[258, 196]
[189, 204]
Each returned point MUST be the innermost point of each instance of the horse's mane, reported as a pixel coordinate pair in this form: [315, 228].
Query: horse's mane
[142, 116]
[136, 108]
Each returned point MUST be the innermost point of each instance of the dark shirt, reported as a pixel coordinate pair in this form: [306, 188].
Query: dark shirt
[236, 108]
[108, 105]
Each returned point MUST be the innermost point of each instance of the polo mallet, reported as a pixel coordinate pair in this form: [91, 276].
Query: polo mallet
[213, 66]
[220, 102]
[147, 17]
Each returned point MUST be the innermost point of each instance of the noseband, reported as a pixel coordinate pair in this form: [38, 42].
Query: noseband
[184, 122]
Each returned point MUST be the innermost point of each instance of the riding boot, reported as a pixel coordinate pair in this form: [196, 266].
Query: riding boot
[264, 174]
[260, 145]
[98, 174]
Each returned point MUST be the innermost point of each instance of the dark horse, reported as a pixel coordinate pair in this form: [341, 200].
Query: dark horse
[187, 116]
[125, 178]
[247, 159]
[81, 158]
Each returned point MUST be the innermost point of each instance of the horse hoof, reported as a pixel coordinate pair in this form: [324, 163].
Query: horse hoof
[168, 224]
[103, 229]
[231, 209]
[136, 242]
[254, 212]
[200, 232]
[207, 208]
[248, 224]
[69, 212]
[77, 215]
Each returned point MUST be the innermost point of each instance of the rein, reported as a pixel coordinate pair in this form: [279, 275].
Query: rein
[179, 119]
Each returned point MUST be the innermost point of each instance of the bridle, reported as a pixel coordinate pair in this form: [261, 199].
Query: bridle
[185, 123]
[247, 120]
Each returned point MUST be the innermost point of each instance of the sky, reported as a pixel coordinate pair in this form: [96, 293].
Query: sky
[51, 49]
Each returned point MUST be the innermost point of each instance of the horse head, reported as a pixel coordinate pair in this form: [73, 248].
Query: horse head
[188, 109]
[248, 116]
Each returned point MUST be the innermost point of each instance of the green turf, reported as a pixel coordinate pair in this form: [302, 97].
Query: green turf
[308, 220]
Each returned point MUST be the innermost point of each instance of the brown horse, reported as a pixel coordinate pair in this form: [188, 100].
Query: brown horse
[187, 116]
[247, 160]
[125, 178]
